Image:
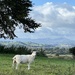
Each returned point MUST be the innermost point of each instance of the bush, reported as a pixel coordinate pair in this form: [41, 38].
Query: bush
[14, 50]
[72, 50]
[56, 54]
[41, 52]
[21, 50]
[1, 49]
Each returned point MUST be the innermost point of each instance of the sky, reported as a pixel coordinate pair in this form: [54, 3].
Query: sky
[41, 2]
[57, 18]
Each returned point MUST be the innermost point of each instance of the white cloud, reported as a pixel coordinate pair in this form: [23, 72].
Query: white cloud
[55, 18]
[74, 7]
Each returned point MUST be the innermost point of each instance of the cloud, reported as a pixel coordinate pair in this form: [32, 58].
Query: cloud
[56, 19]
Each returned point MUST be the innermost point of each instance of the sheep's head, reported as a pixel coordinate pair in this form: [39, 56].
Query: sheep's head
[34, 53]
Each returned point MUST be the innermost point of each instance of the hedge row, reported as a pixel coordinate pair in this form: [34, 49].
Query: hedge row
[20, 50]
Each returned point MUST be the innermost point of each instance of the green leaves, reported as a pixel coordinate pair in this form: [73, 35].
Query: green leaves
[13, 13]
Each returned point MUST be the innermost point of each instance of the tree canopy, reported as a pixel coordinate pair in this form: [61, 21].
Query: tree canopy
[15, 13]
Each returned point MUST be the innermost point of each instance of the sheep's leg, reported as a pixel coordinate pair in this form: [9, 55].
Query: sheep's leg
[17, 64]
[28, 66]
[13, 64]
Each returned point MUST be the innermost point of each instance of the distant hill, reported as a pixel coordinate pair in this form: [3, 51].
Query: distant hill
[56, 48]
[23, 44]
[40, 42]
[49, 41]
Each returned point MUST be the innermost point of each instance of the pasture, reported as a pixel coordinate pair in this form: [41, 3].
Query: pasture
[40, 66]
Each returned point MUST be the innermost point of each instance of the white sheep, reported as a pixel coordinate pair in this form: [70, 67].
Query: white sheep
[17, 59]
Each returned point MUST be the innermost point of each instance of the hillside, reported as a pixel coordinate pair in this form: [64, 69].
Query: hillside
[60, 48]
[27, 44]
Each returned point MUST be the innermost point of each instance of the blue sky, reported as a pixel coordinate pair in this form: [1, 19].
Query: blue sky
[40, 2]
[57, 18]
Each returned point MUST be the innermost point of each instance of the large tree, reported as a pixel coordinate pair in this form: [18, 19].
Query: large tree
[15, 13]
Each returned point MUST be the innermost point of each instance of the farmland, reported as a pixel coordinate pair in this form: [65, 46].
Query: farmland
[41, 66]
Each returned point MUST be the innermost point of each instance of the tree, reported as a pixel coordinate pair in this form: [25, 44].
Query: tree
[72, 50]
[15, 13]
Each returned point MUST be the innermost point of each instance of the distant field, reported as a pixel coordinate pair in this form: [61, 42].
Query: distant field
[66, 56]
[41, 66]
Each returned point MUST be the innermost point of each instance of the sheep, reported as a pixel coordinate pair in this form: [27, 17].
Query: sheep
[17, 59]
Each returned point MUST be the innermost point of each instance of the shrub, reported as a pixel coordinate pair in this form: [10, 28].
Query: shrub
[56, 54]
[72, 50]
[2, 48]
[21, 50]
[41, 52]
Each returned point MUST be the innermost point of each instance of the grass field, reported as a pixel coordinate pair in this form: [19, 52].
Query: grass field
[41, 66]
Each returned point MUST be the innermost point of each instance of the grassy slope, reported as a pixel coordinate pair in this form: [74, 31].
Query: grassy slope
[41, 66]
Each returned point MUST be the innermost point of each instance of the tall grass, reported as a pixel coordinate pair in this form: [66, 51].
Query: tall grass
[40, 66]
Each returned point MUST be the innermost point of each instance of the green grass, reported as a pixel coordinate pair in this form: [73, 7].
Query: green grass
[40, 66]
